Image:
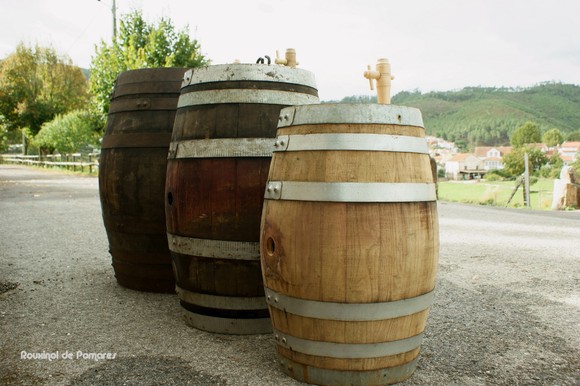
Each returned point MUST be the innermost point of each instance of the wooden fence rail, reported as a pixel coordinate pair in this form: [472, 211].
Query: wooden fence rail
[71, 161]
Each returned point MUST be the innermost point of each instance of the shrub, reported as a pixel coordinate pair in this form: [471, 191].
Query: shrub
[493, 175]
[67, 133]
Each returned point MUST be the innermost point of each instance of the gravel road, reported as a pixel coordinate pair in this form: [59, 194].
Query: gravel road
[507, 307]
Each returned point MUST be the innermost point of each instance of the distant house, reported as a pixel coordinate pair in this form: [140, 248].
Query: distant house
[464, 166]
[440, 146]
[492, 156]
[568, 151]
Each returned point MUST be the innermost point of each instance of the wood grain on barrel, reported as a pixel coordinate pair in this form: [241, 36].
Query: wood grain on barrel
[217, 198]
[132, 171]
[349, 253]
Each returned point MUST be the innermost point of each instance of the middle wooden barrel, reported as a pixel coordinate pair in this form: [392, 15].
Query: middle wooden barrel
[219, 158]
[349, 242]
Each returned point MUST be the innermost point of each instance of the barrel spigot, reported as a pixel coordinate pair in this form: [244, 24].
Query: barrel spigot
[382, 75]
[289, 59]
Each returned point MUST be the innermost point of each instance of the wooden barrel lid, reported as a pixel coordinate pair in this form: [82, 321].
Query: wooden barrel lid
[248, 72]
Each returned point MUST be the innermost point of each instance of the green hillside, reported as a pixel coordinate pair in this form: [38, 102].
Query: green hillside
[487, 116]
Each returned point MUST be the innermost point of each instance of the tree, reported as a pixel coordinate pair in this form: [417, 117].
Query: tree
[67, 133]
[514, 161]
[528, 133]
[576, 164]
[553, 167]
[140, 45]
[3, 134]
[553, 137]
[573, 136]
[36, 84]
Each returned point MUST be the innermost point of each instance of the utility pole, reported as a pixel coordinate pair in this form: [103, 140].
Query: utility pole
[526, 180]
[114, 12]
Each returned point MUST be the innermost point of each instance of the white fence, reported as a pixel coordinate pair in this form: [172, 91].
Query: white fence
[73, 162]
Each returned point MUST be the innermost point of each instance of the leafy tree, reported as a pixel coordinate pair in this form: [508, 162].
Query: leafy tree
[573, 136]
[553, 167]
[3, 133]
[576, 164]
[514, 161]
[553, 137]
[528, 133]
[67, 133]
[461, 145]
[140, 45]
[36, 84]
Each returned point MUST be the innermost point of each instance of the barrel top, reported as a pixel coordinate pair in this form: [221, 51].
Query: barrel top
[151, 75]
[248, 72]
[132, 83]
[345, 113]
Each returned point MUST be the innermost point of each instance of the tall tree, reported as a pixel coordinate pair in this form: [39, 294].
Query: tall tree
[553, 137]
[576, 164]
[514, 161]
[528, 133]
[140, 45]
[36, 84]
[573, 136]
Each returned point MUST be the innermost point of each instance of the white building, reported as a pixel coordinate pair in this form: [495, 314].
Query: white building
[491, 156]
[464, 166]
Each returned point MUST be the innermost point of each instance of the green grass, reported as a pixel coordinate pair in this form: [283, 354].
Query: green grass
[496, 193]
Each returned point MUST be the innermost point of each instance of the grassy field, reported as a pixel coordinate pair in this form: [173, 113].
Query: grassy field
[497, 193]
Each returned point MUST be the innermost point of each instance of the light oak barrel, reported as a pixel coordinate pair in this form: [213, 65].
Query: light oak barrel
[218, 164]
[349, 242]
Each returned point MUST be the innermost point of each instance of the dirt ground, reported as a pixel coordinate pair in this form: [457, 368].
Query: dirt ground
[506, 312]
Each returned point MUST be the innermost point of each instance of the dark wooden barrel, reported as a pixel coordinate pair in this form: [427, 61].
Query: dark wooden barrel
[349, 242]
[132, 171]
[218, 163]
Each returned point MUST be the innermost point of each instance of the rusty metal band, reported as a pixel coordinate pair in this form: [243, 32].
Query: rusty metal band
[145, 140]
[221, 302]
[228, 325]
[143, 104]
[357, 142]
[347, 350]
[154, 259]
[219, 249]
[270, 97]
[349, 311]
[350, 191]
[248, 72]
[127, 90]
[222, 147]
[323, 376]
[342, 113]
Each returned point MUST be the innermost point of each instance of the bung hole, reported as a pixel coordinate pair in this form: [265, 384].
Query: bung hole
[270, 246]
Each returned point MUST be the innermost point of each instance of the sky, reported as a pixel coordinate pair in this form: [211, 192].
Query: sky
[431, 45]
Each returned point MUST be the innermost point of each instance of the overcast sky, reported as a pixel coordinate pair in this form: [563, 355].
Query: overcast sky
[432, 45]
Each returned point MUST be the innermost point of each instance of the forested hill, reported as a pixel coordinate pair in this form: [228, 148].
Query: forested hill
[488, 116]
